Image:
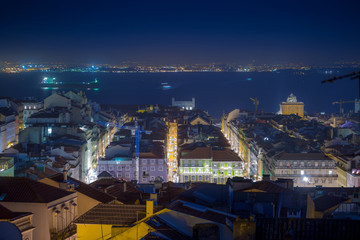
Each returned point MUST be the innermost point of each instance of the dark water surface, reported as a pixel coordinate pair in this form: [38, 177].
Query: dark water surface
[214, 92]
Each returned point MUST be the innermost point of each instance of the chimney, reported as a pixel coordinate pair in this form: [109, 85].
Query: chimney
[244, 229]
[149, 207]
[124, 186]
[153, 196]
[266, 177]
[65, 175]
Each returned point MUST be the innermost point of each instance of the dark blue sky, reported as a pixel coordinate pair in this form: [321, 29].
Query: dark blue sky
[180, 31]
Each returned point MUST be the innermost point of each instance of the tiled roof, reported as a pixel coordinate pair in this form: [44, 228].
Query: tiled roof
[204, 118]
[104, 182]
[266, 186]
[201, 212]
[6, 214]
[104, 174]
[40, 173]
[324, 203]
[19, 189]
[85, 189]
[163, 231]
[169, 194]
[44, 114]
[129, 196]
[114, 214]
[199, 153]
[302, 156]
[148, 155]
[225, 155]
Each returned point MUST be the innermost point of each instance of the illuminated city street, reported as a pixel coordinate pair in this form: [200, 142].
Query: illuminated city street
[169, 120]
[172, 152]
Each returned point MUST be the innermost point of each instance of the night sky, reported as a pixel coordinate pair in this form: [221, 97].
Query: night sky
[170, 32]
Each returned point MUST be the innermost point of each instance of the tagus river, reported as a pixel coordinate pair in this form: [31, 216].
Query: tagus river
[214, 92]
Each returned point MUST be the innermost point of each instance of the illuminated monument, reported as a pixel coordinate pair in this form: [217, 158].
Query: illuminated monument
[292, 106]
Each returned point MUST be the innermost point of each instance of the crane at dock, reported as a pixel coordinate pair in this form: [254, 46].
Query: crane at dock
[341, 102]
[256, 103]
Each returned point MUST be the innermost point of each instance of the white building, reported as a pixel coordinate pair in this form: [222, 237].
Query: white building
[22, 220]
[188, 105]
[8, 128]
[306, 169]
[54, 209]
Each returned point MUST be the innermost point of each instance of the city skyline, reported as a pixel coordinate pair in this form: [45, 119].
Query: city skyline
[174, 33]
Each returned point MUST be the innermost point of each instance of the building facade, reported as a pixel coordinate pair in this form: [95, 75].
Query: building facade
[188, 105]
[150, 168]
[204, 164]
[292, 106]
[306, 169]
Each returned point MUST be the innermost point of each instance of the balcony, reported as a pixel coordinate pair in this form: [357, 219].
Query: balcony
[305, 167]
[307, 175]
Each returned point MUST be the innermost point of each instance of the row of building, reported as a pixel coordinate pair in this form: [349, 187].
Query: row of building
[64, 131]
[309, 150]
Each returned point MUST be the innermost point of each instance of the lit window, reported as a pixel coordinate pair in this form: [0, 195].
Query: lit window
[302, 172]
[330, 172]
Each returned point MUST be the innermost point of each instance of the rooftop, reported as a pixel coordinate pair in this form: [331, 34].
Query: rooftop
[200, 152]
[201, 212]
[114, 214]
[162, 230]
[266, 186]
[324, 203]
[225, 155]
[302, 156]
[85, 189]
[19, 189]
[6, 214]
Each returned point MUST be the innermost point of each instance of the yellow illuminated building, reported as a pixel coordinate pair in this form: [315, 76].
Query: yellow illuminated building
[292, 106]
[172, 151]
